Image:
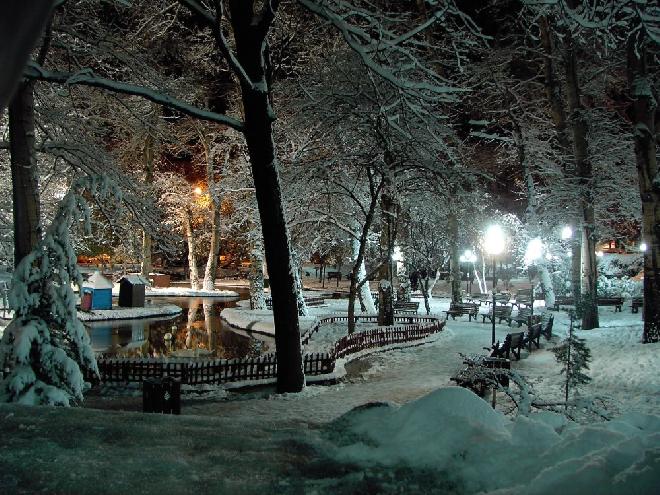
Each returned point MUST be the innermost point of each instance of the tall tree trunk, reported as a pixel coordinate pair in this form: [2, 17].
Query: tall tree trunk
[146, 267]
[24, 173]
[359, 280]
[256, 277]
[580, 130]
[303, 310]
[558, 115]
[643, 128]
[531, 212]
[252, 54]
[216, 217]
[192, 256]
[454, 265]
[387, 234]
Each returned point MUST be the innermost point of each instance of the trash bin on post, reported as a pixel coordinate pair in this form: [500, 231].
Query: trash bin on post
[86, 299]
[161, 395]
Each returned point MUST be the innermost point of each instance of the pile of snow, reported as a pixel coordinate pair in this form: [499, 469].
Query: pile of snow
[456, 437]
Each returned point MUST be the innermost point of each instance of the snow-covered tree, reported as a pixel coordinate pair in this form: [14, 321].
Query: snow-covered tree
[45, 352]
[574, 356]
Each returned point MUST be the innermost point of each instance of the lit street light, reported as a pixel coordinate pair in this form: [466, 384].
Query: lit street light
[494, 243]
[643, 247]
[566, 233]
[468, 257]
[533, 253]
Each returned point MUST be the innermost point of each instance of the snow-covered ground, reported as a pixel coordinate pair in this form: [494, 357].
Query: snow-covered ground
[430, 438]
[120, 313]
[181, 292]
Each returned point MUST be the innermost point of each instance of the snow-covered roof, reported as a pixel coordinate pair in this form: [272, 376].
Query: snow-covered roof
[135, 279]
[97, 281]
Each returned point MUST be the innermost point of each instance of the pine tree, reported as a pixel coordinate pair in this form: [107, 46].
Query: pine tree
[45, 352]
[575, 356]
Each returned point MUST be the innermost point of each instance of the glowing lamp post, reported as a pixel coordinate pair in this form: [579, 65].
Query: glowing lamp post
[643, 247]
[468, 257]
[494, 244]
[533, 253]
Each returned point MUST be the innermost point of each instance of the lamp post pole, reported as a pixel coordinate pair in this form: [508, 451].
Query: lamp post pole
[492, 339]
[494, 244]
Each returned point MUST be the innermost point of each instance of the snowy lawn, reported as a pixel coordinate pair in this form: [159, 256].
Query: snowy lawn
[432, 438]
[120, 313]
[181, 292]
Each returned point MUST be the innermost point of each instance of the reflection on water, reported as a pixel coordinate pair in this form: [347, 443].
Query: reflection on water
[197, 332]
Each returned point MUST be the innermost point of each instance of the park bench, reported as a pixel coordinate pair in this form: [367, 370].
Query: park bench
[309, 301]
[471, 378]
[522, 300]
[500, 312]
[521, 317]
[314, 301]
[636, 303]
[617, 302]
[547, 320]
[478, 298]
[512, 344]
[461, 309]
[501, 299]
[405, 307]
[563, 301]
[533, 336]
[524, 317]
[331, 275]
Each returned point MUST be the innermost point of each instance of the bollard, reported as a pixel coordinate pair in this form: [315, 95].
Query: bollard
[161, 395]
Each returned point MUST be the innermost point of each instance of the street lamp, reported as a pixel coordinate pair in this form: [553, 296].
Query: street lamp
[643, 247]
[566, 233]
[533, 253]
[468, 257]
[494, 244]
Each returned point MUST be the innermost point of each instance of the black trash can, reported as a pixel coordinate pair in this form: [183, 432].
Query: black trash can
[161, 395]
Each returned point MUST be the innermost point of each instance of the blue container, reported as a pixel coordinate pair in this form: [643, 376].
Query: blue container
[102, 299]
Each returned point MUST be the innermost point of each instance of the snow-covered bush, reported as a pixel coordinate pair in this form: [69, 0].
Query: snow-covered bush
[45, 352]
[618, 287]
[561, 281]
[620, 265]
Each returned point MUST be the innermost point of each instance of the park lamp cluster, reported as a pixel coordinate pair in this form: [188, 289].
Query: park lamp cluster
[534, 251]
[468, 256]
[494, 240]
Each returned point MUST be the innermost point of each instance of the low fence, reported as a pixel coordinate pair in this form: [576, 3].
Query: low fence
[219, 371]
[381, 337]
[408, 320]
[213, 372]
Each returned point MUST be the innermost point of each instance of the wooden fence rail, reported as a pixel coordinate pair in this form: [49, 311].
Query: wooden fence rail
[381, 337]
[215, 371]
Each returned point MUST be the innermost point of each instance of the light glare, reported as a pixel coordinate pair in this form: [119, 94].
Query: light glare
[494, 241]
